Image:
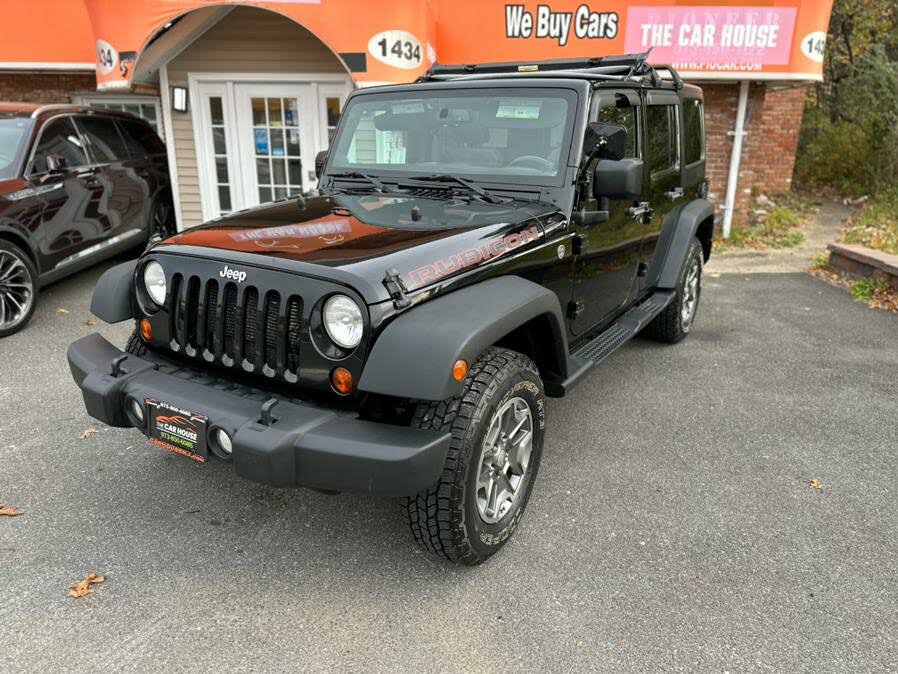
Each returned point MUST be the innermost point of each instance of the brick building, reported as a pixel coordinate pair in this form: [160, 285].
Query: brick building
[226, 59]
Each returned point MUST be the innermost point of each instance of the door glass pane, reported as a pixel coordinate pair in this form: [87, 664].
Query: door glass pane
[274, 112]
[293, 142]
[280, 175]
[291, 112]
[333, 116]
[294, 167]
[220, 154]
[276, 137]
[59, 137]
[259, 118]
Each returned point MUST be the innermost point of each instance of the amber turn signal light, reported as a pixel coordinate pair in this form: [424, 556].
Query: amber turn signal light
[146, 330]
[341, 380]
[460, 369]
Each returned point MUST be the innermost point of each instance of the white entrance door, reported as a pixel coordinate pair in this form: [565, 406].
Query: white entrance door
[277, 134]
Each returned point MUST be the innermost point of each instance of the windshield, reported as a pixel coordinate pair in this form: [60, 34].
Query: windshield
[13, 132]
[506, 135]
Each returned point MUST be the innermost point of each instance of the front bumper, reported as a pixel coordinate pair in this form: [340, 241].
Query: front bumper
[303, 445]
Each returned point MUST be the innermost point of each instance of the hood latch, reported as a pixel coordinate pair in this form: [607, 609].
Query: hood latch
[394, 285]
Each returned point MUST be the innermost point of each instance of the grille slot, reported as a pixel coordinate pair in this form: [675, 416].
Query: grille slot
[258, 330]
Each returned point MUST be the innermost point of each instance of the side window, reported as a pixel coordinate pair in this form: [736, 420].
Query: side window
[58, 137]
[693, 131]
[140, 138]
[662, 148]
[106, 144]
[623, 114]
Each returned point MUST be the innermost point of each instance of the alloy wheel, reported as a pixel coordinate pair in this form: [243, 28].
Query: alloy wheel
[504, 460]
[16, 290]
[690, 293]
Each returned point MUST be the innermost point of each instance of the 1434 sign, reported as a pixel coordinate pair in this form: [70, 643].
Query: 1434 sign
[397, 48]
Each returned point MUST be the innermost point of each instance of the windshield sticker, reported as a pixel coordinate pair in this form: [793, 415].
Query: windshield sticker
[473, 256]
[306, 231]
[519, 110]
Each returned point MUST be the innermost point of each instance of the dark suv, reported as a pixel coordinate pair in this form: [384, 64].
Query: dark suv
[76, 185]
[482, 239]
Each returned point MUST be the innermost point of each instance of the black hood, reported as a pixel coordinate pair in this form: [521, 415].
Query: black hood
[364, 235]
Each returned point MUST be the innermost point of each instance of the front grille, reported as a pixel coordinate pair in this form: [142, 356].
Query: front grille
[259, 331]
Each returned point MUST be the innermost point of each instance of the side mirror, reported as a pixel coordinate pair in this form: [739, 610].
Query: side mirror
[56, 163]
[621, 179]
[320, 161]
[605, 141]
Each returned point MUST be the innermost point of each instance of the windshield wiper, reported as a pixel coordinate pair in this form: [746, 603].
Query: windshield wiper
[476, 189]
[379, 186]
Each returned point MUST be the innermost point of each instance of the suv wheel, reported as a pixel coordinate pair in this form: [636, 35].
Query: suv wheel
[497, 426]
[674, 323]
[162, 217]
[18, 288]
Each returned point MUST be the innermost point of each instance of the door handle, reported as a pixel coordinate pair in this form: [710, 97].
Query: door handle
[674, 194]
[641, 211]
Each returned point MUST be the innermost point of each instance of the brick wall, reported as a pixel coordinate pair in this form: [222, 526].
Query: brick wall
[44, 87]
[773, 123]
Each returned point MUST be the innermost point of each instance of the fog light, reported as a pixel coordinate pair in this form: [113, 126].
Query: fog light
[223, 440]
[341, 380]
[136, 410]
[146, 330]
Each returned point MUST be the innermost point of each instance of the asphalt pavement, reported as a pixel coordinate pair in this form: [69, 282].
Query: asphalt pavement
[673, 524]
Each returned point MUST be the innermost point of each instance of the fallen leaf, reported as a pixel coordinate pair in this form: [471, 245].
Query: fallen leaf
[817, 485]
[90, 321]
[9, 511]
[83, 587]
[62, 312]
[88, 433]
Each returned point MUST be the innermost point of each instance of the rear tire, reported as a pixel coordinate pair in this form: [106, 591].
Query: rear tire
[492, 463]
[674, 323]
[18, 288]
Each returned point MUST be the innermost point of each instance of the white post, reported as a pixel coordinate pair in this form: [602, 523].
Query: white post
[735, 159]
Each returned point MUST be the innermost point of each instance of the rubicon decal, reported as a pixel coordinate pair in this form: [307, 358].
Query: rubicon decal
[473, 256]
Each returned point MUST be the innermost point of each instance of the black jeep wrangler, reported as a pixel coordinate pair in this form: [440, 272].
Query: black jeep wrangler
[481, 239]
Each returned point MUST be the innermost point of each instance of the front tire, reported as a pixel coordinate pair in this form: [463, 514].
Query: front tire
[498, 426]
[18, 288]
[674, 323]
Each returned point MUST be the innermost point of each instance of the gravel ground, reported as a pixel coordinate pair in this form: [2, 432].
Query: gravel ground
[672, 527]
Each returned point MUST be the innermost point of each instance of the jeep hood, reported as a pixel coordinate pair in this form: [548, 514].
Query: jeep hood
[427, 240]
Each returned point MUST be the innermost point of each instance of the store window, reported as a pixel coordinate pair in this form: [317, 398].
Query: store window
[220, 154]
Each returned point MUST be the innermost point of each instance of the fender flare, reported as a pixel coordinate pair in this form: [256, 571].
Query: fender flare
[676, 238]
[113, 298]
[414, 355]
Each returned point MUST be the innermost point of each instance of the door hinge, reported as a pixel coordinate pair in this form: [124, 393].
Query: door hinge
[575, 309]
[578, 245]
[642, 269]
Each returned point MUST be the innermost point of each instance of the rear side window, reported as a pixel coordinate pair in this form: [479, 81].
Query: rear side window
[140, 138]
[61, 138]
[662, 148]
[693, 131]
[106, 144]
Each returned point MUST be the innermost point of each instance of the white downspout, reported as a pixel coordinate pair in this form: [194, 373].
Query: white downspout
[735, 159]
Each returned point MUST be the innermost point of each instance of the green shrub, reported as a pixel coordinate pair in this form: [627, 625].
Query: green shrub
[876, 226]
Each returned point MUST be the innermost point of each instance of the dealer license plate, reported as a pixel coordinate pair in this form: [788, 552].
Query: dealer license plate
[178, 430]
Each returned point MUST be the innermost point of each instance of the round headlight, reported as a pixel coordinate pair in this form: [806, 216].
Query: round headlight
[343, 321]
[154, 282]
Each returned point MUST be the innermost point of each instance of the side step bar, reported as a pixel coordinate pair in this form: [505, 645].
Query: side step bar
[610, 340]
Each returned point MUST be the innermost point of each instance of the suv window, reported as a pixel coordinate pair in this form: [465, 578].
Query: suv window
[140, 138]
[619, 111]
[106, 144]
[693, 131]
[59, 137]
[662, 148]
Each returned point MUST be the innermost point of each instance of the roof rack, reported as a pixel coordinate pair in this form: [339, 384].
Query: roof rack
[625, 68]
